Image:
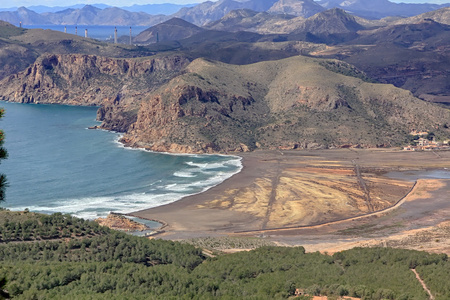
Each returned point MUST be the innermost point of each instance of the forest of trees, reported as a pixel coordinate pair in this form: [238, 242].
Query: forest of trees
[93, 262]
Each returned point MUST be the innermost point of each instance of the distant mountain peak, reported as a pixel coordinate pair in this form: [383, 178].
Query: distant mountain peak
[170, 30]
[332, 21]
[303, 8]
[90, 8]
[240, 13]
[178, 22]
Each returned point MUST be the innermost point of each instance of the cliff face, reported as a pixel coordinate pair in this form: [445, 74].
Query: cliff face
[168, 104]
[115, 84]
[288, 104]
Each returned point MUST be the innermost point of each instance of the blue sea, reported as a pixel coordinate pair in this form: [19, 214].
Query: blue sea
[56, 164]
[102, 33]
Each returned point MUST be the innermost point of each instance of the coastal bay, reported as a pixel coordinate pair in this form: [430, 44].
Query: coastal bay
[282, 195]
[56, 164]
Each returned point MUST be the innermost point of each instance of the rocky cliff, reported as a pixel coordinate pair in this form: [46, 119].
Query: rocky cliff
[115, 84]
[166, 103]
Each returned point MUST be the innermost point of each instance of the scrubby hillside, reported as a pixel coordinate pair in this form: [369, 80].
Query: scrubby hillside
[297, 102]
[171, 30]
[441, 16]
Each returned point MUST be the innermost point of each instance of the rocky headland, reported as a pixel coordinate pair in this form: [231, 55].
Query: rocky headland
[116, 85]
[167, 103]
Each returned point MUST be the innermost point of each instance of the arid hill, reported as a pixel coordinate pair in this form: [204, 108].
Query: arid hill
[301, 8]
[411, 56]
[324, 23]
[24, 15]
[19, 48]
[292, 103]
[333, 21]
[248, 20]
[172, 30]
[166, 102]
[441, 16]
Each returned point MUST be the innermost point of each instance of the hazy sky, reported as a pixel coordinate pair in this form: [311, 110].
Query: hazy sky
[16, 3]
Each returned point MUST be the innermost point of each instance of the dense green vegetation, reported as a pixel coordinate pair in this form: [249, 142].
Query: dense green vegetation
[98, 263]
[346, 69]
[30, 226]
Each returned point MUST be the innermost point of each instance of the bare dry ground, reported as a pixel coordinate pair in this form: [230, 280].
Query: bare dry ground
[326, 200]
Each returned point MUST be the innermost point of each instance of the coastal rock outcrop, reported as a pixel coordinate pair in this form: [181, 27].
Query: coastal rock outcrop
[120, 222]
[117, 85]
[86, 79]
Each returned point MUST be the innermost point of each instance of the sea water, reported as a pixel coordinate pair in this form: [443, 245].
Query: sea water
[56, 164]
[102, 33]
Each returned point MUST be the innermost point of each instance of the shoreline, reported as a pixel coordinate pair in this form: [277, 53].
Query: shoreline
[107, 186]
[231, 181]
[203, 215]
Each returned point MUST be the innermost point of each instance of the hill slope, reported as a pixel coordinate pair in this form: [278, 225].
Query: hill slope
[247, 20]
[291, 103]
[376, 9]
[208, 11]
[301, 8]
[24, 15]
[410, 56]
[325, 23]
[21, 47]
[441, 16]
[171, 30]
[90, 15]
[333, 21]
[74, 79]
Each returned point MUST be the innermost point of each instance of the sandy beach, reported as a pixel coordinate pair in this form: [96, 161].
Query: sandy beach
[323, 200]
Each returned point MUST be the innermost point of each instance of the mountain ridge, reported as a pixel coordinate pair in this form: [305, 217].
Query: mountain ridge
[209, 11]
[215, 107]
[173, 29]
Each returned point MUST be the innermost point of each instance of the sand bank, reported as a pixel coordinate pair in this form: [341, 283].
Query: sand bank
[278, 190]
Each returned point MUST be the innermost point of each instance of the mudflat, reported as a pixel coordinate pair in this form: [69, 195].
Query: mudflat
[324, 200]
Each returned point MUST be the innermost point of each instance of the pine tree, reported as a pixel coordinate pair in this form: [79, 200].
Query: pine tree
[3, 294]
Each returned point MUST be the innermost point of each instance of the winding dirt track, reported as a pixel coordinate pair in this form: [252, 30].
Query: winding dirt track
[423, 284]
